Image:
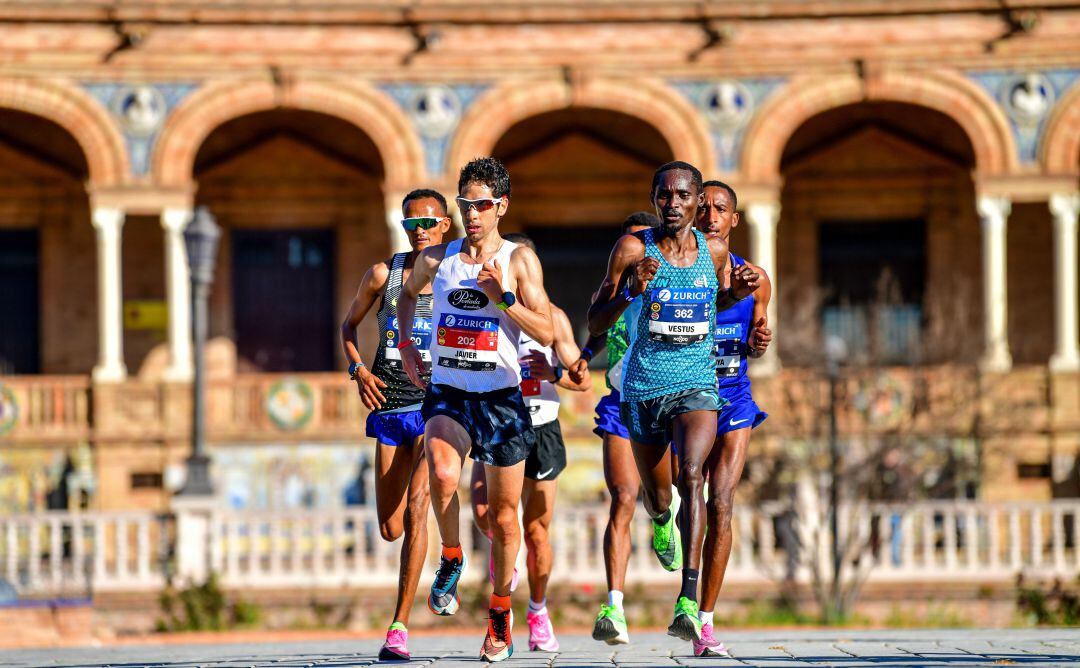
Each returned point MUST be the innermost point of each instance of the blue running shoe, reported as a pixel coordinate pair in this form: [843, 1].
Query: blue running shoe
[444, 599]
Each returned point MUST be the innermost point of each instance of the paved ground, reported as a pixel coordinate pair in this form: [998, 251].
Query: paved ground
[773, 649]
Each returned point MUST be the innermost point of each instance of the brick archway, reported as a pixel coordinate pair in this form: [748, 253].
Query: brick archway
[1060, 150]
[981, 119]
[495, 112]
[80, 115]
[370, 111]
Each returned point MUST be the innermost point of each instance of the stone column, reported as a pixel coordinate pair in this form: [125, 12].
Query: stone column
[994, 214]
[178, 295]
[762, 218]
[109, 223]
[1066, 210]
[399, 241]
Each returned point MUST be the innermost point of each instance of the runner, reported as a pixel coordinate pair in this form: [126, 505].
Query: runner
[741, 332]
[620, 471]
[487, 292]
[540, 373]
[669, 379]
[395, 422]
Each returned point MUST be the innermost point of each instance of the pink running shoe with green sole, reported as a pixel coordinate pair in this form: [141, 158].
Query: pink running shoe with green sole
[396, 647]
[541, 633]
[708, 645]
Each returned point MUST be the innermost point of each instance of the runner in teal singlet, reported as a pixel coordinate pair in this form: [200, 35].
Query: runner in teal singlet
[669, 385]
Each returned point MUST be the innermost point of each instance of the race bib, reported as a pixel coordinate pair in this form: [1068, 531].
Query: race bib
[530, 387]
[421, 336]
[469, 343]
[727, 348]
[680, 316]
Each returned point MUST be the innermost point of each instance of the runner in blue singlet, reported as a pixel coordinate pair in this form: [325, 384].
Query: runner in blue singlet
[669, 382]
[741, 333]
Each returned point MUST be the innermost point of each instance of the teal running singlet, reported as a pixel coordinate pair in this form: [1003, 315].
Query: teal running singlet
[672, 342]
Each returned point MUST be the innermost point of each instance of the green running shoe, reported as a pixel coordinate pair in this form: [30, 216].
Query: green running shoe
[685, 624]
[610, 626]
[666, 544]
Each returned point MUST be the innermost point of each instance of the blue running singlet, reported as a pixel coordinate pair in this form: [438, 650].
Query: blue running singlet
[730, 340]
[672, 337]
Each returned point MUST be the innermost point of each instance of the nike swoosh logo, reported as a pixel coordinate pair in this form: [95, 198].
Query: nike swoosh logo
[541, 476]
[735, 423]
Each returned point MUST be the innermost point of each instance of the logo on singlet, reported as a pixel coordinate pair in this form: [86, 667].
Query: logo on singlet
[467, 299]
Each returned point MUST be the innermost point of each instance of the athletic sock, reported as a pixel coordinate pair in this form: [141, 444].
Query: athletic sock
[663, 519]
[615, 598]
[538, 608]
[453, 552]
[705, 617]
[399, 626]
[689, 583]
[499, 602]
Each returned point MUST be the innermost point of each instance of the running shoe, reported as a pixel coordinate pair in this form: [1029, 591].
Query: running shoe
[498, 646]
[685, 625]
[491, 571]
[708, 645]
[610, 626]
[396, 646]
[541, 633]
[666, 544]
[444, 599]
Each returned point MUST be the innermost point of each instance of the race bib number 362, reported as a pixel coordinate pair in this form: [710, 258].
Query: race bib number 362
[680, 316]
[469, 343]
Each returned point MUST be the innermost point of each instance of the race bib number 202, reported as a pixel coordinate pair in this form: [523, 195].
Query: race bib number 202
[469, 343]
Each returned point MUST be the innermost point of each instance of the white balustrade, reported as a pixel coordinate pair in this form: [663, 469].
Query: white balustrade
[64, 554]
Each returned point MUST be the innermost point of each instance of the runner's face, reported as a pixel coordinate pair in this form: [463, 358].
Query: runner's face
[676, 199]
[426, 207]
[718, 216]
[479, 224]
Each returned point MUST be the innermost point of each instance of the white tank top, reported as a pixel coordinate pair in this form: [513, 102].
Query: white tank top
[475, 344]
[540, 395]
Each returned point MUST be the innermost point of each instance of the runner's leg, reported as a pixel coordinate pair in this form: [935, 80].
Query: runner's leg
[725, 466]
[445, 443]
[504, 485]
[538, 499]
[624, 484]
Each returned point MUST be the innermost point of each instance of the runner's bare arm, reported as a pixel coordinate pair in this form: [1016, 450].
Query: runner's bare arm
[567, 352]
[608, 304]
[532, 311]
[423, 272]
[372, 286]
[743, 280]
[592, 348]
[760, 335]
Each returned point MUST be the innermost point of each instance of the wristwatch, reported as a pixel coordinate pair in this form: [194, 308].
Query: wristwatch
[558, 373]
[354, 368]
[508, 300]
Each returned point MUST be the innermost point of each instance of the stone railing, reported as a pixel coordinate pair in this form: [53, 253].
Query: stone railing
[69, 554]
[44, 409]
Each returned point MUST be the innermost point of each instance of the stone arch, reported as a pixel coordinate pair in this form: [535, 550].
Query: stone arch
[80, 115]
[498, 110]
[1061, 144]
[951, 94]
[369, 110]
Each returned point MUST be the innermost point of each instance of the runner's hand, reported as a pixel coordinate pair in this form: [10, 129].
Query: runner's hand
[744, 281]
[490, 280]
[760, 336]
[578, 370]
[413, 364]
[370, 385]
[539, 366]
[644, 271]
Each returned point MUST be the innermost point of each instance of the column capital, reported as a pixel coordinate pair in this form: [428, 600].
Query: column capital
[993, 210]
[764, 214]
[175, 219]
[1065, 207]
[107, 218]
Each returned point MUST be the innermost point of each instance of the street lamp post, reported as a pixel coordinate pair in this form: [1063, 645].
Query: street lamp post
[835, 356]
[201, 238]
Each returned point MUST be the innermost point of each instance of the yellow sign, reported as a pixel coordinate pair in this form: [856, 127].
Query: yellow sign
[146, 314]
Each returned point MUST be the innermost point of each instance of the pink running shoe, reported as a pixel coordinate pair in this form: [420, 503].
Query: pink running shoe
[541, 633]
[491, 571]
[396, 646]
[708, 645]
